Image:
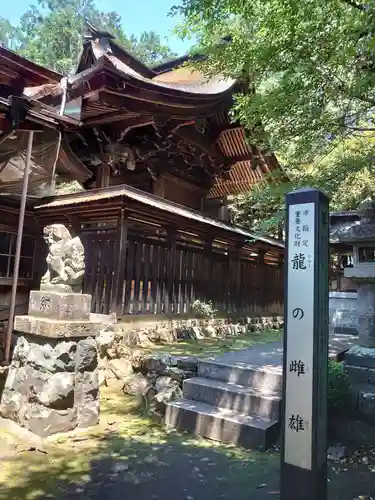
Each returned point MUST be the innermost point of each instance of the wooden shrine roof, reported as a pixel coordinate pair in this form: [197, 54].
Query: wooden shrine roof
[103, 197]
[15, 68]
[112, 89]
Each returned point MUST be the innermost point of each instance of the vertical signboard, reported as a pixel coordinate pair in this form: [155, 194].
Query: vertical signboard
[304, 419]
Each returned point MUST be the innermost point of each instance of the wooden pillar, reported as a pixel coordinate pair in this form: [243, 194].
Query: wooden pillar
[170, 268]
[119, 263]
[262, 280]
[209, 285]
[235, 277]
[103, 175]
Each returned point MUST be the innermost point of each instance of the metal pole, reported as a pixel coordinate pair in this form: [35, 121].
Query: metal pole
[64, 85]
[18, 247]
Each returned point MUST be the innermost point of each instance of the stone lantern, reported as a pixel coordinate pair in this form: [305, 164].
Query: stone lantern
[360, 359]
[361, 234]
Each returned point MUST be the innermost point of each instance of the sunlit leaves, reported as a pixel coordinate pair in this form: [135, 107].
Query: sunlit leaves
[310, 69]
[51, 34]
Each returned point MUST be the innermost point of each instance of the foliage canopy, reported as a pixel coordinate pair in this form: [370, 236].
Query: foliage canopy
[51, 33]
[308, 66]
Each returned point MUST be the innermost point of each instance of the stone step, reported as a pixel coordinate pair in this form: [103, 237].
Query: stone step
[226, 426]
[225, 395]
[360, 374]
[244, 374]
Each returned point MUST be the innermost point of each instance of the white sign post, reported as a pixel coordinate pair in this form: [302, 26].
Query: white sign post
[304, 422]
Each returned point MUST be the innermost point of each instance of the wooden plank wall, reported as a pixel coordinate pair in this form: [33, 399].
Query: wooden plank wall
[166, 277]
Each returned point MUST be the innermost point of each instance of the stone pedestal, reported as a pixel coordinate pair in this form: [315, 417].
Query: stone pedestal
[360, 359]
[343, 317]
[366, 314]
[53, 380]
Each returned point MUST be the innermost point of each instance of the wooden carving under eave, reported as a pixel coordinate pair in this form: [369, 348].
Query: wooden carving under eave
[193, 136]
[103, 175]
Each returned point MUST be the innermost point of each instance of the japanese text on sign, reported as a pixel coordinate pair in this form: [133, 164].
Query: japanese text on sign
[300, 305]
[296, 423]
[297, 366]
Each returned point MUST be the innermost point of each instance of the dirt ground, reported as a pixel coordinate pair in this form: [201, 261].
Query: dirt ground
[131, 456]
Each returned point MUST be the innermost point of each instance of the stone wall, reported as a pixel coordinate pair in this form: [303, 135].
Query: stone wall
[144, 331]
[52, 384]
[154, 379]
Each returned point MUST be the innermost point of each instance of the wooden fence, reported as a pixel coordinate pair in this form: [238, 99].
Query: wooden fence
[165, 276]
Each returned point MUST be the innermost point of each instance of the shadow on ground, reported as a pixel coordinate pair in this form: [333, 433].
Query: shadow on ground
[169, 469]
[130, 456]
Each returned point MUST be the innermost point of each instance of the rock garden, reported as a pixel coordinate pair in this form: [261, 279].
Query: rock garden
[152, 363]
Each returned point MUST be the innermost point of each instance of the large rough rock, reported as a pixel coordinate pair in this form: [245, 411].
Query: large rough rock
[86, 387]
[163, 383]
[155, 363]
[153, 379]
[46, 421]
[168, 392]
[137, 359]
[52, 385]
[121, 368]
[86, 355]
[11, 405]
[105, 340]
[65, 356]
[40, 357]
[21, 351]
[88, 415]
[58, 392]
[87, 398]
[135, 384]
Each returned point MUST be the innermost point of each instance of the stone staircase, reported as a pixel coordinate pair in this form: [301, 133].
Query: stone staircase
[234, 399]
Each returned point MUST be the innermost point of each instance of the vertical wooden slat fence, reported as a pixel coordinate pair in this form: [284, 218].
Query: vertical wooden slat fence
[163, 276]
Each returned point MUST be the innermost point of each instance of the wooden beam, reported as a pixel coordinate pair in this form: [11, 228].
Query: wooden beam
[189, 111]
[9, 74]
[183, 183]
[27, 68]
[119, 116]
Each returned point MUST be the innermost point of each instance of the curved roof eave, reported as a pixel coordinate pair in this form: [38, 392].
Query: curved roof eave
[32, 72]
[214, 87]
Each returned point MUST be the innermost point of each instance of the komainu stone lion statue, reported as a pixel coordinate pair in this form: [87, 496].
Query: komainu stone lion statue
[65, 261]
